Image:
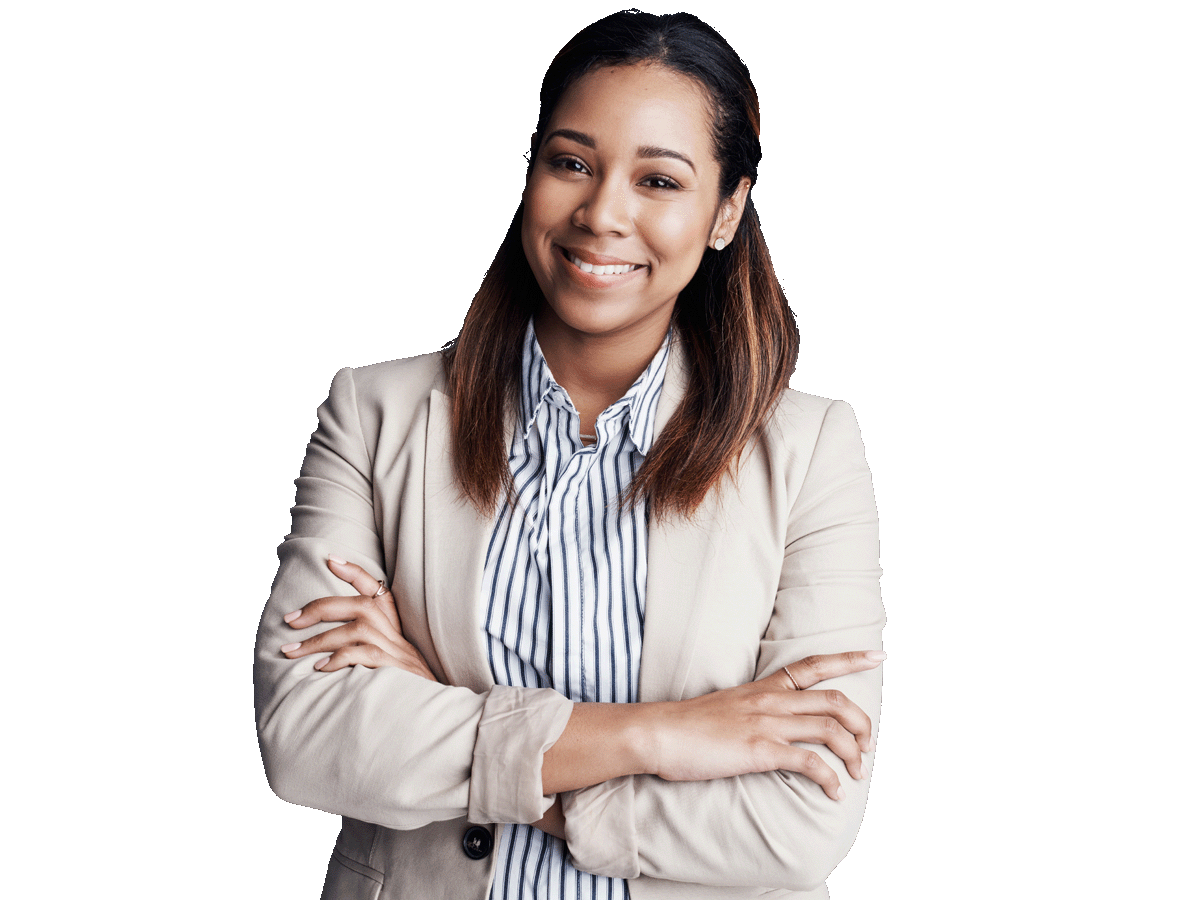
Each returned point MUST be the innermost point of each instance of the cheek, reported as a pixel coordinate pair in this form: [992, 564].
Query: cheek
[534, 221]
[679, 234]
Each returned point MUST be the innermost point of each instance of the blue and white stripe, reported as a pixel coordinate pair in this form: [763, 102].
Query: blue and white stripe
[564, 584]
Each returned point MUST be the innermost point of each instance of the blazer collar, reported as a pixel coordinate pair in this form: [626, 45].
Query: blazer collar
[456, 535]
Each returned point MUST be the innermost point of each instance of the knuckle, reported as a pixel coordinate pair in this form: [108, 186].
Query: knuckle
[762, 753]
[836, 699]
[759, 701]
[830, 726]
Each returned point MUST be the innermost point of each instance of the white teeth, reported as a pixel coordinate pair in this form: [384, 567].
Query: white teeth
[600, 270]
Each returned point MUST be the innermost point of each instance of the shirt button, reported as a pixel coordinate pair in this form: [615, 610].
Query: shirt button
[477, 842]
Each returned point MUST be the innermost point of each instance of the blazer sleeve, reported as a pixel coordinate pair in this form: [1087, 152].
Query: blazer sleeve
[774, 829]
[380, 745]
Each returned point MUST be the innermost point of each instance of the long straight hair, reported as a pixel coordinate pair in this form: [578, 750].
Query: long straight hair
[732, 319]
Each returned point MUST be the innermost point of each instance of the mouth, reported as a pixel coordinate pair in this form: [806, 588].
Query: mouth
[601, 266]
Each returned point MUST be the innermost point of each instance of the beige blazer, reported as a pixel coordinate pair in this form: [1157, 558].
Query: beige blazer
[777, 566]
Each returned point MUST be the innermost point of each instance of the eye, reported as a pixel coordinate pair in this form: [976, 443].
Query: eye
[571, 164]
[661, 183]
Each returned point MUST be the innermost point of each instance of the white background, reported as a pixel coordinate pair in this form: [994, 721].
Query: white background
[986, 219]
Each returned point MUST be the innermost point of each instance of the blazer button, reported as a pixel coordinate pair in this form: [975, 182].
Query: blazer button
[477, 842]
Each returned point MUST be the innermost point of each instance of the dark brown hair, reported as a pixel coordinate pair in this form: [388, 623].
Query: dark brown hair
[732, 319]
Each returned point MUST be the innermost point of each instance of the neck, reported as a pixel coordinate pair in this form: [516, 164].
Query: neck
[596, 370]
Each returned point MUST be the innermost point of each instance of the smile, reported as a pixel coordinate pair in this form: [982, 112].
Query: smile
[593, 269]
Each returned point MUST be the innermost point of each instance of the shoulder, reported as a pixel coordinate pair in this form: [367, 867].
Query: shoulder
[395, 383]
[805, 431]
[799, 418]
[416, 376]
[397, 390]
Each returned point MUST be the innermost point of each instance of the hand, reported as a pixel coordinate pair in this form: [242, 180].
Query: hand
[753, 727]
[372, 635]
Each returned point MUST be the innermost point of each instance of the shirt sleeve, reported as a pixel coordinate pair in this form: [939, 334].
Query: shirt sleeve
[380, 745]
[774, 829]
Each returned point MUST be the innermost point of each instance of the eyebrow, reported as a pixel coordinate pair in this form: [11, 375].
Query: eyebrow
[643, 152]
[664, 153]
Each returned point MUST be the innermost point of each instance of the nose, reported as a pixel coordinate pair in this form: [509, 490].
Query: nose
[604, 208]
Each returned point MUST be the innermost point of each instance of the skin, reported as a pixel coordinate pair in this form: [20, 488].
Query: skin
[748, 728]
[626, 176]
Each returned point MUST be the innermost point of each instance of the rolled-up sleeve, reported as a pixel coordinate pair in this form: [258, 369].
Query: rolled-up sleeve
[380, 745]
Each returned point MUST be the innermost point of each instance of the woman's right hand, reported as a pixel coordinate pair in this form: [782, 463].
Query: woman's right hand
[749, 728]
[753, 727]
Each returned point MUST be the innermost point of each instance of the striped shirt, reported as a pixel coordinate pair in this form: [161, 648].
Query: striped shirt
[564, 584]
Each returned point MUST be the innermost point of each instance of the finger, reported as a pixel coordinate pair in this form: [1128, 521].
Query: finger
[836, 705]
[814, 669]
[368, 587]
[811, 766]
[357, 576]
[375, 656]
[828, 731]
[342, 609]
[368, 656]
[357, 632]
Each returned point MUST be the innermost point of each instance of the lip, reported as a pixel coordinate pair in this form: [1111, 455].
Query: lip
[596, 259]
[590, 281]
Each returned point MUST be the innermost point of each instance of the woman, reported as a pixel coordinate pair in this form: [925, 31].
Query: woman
[588, 539]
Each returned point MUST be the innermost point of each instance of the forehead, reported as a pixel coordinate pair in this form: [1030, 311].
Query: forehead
[638, 105]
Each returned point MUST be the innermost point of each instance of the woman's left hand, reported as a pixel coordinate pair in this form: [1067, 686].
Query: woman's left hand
[372, 635]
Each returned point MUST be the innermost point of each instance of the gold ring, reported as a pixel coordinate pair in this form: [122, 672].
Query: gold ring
[379, 593]
[791, 679]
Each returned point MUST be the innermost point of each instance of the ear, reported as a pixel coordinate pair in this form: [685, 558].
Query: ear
[729, 214]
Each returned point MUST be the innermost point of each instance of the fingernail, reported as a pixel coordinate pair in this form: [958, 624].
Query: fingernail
[876, 655]
[288, 648]
[320, 663]
[292, 616]
[841, 795]
[336, 559]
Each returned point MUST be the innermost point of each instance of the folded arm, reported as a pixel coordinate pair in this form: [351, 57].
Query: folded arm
[383, 745]
[447, 749]
[772, 829]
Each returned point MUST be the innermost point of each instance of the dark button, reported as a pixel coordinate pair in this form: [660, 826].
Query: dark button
[477, 842]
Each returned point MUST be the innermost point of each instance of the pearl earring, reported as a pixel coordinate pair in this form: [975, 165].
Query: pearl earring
[719, 244]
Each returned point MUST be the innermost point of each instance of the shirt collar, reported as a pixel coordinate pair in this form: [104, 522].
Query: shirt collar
[639, 403]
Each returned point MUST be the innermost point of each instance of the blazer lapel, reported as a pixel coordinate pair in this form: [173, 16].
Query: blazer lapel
[455, 541]
[678, 556]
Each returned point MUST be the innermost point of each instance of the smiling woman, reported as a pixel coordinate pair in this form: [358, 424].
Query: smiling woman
[623, 197]
[618, 628]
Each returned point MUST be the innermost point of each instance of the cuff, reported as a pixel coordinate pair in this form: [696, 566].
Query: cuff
[518, 726]
[601, 834]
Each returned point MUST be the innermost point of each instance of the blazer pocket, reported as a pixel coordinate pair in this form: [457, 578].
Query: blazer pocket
[346, 879]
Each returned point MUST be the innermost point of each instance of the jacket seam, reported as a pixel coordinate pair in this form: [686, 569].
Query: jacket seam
[357, 867]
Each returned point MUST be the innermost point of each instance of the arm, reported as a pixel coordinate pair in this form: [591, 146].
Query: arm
[773, 829]
[382, 745]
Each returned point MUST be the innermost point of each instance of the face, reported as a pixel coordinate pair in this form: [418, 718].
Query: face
[622, 200]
